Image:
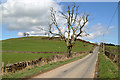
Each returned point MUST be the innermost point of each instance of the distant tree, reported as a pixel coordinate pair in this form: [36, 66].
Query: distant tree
[109, 44]
[26, 34]
[75, 25]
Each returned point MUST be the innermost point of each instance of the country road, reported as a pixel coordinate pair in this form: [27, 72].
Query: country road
[82, 68]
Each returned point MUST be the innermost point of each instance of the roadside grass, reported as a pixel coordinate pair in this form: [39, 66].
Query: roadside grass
[38, 69]
[18, 57]
[106, 68]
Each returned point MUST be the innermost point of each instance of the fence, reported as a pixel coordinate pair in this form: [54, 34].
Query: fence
[114, 57]
[38, 62]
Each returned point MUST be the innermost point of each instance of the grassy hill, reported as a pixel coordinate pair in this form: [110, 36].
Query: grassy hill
[36, 44]
[39, 44]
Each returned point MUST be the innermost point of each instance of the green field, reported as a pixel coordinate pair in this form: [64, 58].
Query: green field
[107, 69]
[112, 49]
[36, 44]
[42, 45]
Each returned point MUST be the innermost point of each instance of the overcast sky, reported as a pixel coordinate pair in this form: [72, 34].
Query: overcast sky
[20, 16]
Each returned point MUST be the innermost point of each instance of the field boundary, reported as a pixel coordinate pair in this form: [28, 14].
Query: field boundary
[34, 52]
[51, 66]
[41, 61]
[110, 60]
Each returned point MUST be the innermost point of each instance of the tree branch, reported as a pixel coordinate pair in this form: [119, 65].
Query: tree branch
[55, 22]
[85, 21]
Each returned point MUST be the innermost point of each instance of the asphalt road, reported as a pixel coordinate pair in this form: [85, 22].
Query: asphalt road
[82, 68]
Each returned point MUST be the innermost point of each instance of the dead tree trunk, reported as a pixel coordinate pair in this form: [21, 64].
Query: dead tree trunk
[69, 51]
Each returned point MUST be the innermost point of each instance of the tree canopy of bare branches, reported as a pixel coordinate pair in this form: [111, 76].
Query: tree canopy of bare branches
[75, 24]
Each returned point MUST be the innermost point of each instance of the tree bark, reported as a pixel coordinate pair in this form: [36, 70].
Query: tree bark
[69, 51]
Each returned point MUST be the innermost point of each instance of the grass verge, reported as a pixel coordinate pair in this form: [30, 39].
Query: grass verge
[40, 69]
[106, 68]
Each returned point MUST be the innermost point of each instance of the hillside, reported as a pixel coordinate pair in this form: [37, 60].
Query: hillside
[13, 49]
[40, 44]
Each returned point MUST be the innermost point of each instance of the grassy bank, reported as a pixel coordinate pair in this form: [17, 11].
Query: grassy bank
[106, 68]
[38, 69]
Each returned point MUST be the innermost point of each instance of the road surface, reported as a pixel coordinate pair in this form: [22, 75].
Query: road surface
[82, 68]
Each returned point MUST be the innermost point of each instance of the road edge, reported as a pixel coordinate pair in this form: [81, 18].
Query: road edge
[95, 76]
[87, 54]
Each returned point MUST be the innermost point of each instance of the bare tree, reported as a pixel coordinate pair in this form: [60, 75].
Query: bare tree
[75, 25]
